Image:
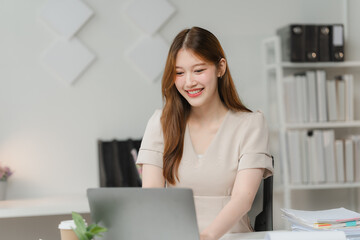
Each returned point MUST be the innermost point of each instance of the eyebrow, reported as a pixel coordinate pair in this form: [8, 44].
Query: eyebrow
[196, 65]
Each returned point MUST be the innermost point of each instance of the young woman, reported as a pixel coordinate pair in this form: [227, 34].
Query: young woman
[204, 138]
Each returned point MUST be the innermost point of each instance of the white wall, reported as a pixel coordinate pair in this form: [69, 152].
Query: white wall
[49, 130]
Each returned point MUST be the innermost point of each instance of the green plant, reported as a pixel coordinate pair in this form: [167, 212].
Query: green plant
[83, 232]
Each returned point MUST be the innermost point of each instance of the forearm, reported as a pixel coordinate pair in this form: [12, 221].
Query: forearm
[152, 177]
[233, 211]
[245, 187]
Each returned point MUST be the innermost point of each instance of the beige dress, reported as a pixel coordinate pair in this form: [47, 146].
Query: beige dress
[241, 142]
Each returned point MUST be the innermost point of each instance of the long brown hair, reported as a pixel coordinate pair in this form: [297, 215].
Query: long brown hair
[176, 108]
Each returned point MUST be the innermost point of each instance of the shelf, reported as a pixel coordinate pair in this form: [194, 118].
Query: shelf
[347, 124]
[280, 188]
[271, 67]
[44, 206]
[346, 64]
[325, 186]
[315, 65]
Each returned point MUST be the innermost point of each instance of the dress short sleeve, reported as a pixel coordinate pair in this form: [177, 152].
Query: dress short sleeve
[152, 145]
[254, 148]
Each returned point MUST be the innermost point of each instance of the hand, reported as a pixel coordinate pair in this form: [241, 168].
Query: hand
[206, 236]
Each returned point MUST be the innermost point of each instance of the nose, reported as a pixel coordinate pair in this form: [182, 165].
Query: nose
[189, 81]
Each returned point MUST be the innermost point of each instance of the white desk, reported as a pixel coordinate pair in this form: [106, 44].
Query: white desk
[44, 206]
[288, 235]
[241, 236]
[78, 203]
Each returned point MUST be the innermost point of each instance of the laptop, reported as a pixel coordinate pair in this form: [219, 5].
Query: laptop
[144, 213]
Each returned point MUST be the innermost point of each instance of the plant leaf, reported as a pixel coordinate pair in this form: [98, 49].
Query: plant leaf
[97, 229]
[79, 222]
[91, 226]
[89, 235]
[83, 232]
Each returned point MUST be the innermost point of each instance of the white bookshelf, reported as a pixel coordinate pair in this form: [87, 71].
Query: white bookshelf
[319, 125]
[280, 188]
[273, 72]
[44, 206]
[325, 186]
[315, 65]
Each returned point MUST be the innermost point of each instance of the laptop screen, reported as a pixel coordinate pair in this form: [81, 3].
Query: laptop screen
[144, 213]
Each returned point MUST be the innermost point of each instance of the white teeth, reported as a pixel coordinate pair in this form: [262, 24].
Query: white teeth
[194, 92]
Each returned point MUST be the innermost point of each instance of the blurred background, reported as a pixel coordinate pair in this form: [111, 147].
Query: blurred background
[49, 126]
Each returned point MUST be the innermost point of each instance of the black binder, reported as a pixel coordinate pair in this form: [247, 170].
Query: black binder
[292, 42]
[324, 33]
[311, 43]
[337, 43]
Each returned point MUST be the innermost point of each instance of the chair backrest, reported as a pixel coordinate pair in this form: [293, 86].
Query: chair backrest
[264, 220]
[117, 164]
[261, 213]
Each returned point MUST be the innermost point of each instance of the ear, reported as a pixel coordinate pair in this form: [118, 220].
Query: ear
[221, 67]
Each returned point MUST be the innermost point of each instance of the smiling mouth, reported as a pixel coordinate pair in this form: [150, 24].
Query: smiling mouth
[194, 92]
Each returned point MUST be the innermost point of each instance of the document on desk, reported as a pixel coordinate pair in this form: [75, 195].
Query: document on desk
[316, 219]
[286, 235]
[330, 221]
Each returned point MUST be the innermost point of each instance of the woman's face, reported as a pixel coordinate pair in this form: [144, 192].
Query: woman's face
[196, 80]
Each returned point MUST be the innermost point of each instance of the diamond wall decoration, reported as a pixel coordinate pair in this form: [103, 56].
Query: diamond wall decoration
[68, 59]
[149, 15]
[66, 17]
[149, 56]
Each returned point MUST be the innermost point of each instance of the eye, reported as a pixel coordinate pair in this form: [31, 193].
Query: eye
[179, 73]
[199, 70]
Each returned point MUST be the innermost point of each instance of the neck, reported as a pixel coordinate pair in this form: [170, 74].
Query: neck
[213, 111]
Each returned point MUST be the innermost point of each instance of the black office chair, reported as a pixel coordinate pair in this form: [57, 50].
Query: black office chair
[263, 221]
[116, 163]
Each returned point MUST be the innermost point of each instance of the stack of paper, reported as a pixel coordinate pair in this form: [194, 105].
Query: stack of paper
[338, 219]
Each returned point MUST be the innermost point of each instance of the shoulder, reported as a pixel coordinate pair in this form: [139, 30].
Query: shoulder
[153, 127]
[157, 114]
[248, 119]
[155, 118]
[247, 115]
